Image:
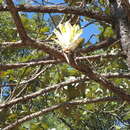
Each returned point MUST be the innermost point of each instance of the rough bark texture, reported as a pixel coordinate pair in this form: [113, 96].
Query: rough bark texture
[120, 9]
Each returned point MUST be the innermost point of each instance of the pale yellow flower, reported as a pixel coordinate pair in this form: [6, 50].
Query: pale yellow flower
[67, 35]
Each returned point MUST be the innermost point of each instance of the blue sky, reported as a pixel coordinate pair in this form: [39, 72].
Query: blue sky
[87, 31]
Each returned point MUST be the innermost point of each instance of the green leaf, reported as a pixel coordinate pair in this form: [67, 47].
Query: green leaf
[44, 29]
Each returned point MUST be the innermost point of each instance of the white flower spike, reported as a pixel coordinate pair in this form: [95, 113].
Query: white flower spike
[67, 36]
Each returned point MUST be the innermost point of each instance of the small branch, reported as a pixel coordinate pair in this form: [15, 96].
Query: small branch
[33, 77]
[18, 44]
[109, 75]
[54, 107]
[27, 64]
[17, 20]
[47, 61]
[12, 45]
[94, 57]
[86, 25]
[40, 92]
[117, 75]
[65, 122]
[100, 45]
[36, 75]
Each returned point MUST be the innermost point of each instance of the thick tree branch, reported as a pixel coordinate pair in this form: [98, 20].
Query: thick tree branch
[44, 46]
[88, 70]
[62, 9]
[52, 108]
[19, 44]
[122, 25]
[17, 20]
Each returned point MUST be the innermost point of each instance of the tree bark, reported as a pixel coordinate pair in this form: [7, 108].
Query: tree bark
[122, 24]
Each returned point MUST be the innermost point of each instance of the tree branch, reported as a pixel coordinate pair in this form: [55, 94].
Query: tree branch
[88, 70]
[109, 75]
[45, 61]
[44, 44]
[17, 20]
[42, 91]
[85, 69]
[65, 122]
[122, 25]
[97, 57]
[27, 64]
[35, 45]
[54, 107]
[116, 75]
[62, 9]
[100, 45]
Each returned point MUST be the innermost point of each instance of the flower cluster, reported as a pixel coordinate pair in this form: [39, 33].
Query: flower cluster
[67, 35]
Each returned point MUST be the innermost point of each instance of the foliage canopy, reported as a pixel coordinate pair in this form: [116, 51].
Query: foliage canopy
[90, 92]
